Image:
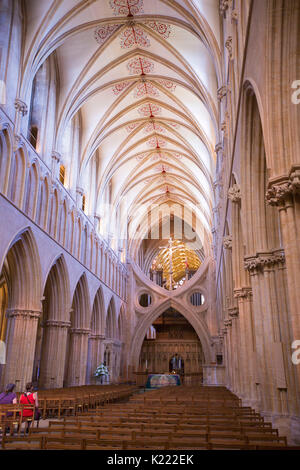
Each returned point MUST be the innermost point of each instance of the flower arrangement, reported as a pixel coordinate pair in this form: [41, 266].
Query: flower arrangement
[101, 370]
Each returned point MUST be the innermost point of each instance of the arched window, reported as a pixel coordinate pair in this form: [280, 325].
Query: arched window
[83, 203]
[62, 174]
[33, 136]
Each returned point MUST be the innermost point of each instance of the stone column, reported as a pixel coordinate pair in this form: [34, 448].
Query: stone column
[233, 314]
[244, 298]
[77, 360]
[283, 193]
[267, 334]
[21, 338]
[227, 360]
[95, 356]
[53, 353]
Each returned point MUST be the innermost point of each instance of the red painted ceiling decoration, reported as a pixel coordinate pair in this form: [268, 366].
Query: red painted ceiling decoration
[152, 127]
[162, 169]
[157, 156]
[149, 110]
[163, 29]
[132, 126]
[119, 87]
[134, 36]
[174, 124]
[127, 7]
[145, 89]
[104, 32]
[156, 142]
[177, 155]
[141, 156]
[140, 66]
[165, 189]
[171, 86]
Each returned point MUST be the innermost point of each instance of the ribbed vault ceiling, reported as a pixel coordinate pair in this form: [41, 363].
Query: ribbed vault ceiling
[143, 77]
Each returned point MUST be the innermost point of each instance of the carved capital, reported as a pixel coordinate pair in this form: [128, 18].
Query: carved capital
[219, 148]
[234, 193]
[17, 142]
[21, 107]
[227, 242]
[244, 293]
[228, 45]
[224, 126]
[233, 312]
[80, 331]
[56, 157]
[260, 261]
[14, 313]
[222, 92]
[79, 191]
[96, 337]
[224, 5]
[234, 16]
[57, 324]
[281, 191]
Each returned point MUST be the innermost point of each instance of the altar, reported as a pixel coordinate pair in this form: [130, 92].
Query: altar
[162, 380]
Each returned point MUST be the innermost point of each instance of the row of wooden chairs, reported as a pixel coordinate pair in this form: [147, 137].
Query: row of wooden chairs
[72, 402]
[203, 433]
[83, 443]
[160, 422]
[12, 417]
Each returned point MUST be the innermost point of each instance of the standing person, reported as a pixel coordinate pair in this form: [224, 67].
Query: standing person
[30, 398]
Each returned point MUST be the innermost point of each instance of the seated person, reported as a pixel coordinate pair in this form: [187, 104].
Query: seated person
[29, 398]
[8, 397]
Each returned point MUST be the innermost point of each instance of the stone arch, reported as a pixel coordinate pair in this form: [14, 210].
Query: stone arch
[96, 337]
[80, 312]
[5, 160]
[53, 327]
[17, 177]
[42, 204]
[25, 271]
[261, 267]
[121, 324]
[31, 190]
[264, 220]
[111, 320]
[141, 331]
[22, 266]
[62, 230]
[53, 214]
[98, 313]
[77, 341]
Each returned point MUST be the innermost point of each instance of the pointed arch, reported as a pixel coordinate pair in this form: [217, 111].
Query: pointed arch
[80, 313]
[5, 156]
[31, 191]
[98, 314]
[111, 320]
[254, 180]
[25, 271]
[141, 330]
[17, 177]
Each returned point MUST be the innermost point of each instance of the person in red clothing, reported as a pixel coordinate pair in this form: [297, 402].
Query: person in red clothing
[29, 398]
